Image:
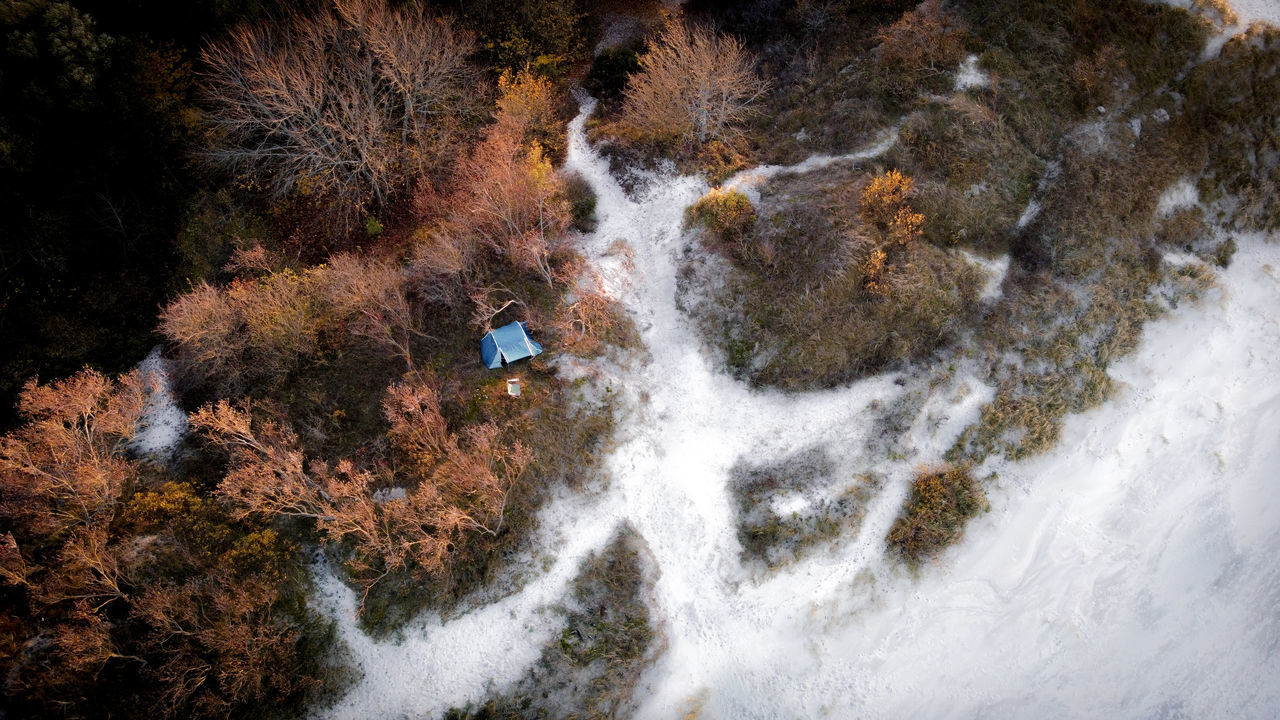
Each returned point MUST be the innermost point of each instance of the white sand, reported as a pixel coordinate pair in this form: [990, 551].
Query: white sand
[163, 424]
[1181, 195]
[970, 76]
[994, 269]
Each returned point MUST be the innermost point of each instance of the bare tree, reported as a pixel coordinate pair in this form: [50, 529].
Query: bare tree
[346, 103]
[694, 85]
[369, 295]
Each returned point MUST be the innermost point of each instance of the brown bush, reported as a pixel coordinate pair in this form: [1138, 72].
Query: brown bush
[942, 500]
[925, 43]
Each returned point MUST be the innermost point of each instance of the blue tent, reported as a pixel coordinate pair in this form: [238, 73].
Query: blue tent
[507, 344]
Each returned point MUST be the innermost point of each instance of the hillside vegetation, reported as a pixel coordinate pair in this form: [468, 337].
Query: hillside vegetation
[317, 209]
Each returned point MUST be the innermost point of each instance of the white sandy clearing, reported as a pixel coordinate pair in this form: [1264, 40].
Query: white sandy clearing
[1130, 573]
[1251, 11]
[163, 423]
[994, 269]
[970, 76]
[1180, 195]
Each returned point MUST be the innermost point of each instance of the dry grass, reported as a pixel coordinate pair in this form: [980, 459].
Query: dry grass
[974, 174]
[775, 539]
[804, 307]
[942, 500]
[1233, 105]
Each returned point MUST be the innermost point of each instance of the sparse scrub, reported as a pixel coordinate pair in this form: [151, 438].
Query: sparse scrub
[920, 50]
[773, 538]
[1224, 252]
[606, 643]
[582, 202]
[811, 270]
[973, 174]
[942, 500]
[1232, 104]
[214, 229]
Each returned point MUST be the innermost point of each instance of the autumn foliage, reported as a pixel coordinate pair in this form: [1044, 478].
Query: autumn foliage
[103, 576]
[455, 483]
[263, 326]
[926, 41]
[511, 199]
[895, 226]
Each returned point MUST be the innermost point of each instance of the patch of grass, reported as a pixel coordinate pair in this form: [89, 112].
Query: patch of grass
[775, 539]
[1050, 342]
[1224, 252]
[974, 175]
[591, 669]
[1233, 104]
[1183, 229]
[1088, 274]
[582, 202]
[942, 500]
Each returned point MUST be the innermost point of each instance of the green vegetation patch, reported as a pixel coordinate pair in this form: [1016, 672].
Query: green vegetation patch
[726, 212]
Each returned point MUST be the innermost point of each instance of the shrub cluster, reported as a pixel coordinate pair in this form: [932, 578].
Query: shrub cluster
[941, 501]
[726, 212]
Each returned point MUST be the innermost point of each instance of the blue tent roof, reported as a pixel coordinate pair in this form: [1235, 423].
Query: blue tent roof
[507, 344]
